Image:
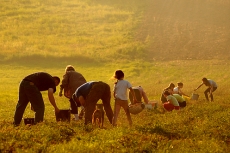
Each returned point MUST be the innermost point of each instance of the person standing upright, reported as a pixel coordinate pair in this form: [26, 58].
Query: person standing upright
[120, 94]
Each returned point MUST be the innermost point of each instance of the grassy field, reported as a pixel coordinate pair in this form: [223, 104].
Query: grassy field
[99, 37]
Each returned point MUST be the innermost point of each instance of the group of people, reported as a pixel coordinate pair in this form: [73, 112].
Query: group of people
[174, 98]
[81, 93]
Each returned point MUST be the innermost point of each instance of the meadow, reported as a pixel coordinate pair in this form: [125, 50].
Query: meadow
[99, 37]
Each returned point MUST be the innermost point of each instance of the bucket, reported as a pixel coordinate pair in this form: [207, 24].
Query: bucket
[136, 108]
[151, 105]
[194, 96]
[63, 115]
[29, 121]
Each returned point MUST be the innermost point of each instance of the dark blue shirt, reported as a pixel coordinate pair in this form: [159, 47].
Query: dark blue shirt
[84, 89]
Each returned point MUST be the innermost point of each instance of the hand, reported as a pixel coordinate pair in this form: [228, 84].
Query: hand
[60, 93]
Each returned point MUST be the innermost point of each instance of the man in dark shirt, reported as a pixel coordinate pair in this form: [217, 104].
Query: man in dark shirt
[88, 95]
[29, 91]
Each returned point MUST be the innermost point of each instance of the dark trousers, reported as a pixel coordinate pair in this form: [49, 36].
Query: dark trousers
[182, 104]
[99, 90]
[73, 106]
[28, 92]
[208, 91]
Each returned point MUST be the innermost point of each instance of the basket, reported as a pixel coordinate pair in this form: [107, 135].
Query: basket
[63, 115]
[29, 121]
[136, 108]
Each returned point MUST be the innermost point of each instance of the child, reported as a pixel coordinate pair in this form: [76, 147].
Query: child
[170, 89]
[120, 95]
[180, 100]
[177, 90]
[172, 102]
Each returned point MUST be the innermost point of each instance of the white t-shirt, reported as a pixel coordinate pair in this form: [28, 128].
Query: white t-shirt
[120, 89]
[176, 90]
[212, 83]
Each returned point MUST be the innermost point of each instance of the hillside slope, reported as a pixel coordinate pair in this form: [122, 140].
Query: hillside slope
[187, 29]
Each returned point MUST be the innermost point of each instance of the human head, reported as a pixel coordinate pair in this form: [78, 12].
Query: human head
[166, 93]
[180, 84]
[119, 74]
[56, 80]
[69, 68]
[171, 85]
[205, 81]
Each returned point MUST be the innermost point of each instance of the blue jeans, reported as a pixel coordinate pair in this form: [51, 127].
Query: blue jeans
[28, 92]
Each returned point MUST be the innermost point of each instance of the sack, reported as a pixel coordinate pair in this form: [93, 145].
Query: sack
[136, 108]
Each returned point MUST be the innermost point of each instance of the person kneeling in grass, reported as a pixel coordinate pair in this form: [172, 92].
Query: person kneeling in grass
[172, 102]
[180, 100]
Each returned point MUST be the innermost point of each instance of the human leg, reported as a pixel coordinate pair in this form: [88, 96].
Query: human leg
[74, 108]
[206, 93]
[106, 102]
[126, 109]
[211, 96]
[182, 104]
[168, 106]
[21, 105]
[36, 100]
[82, 112]
[117, 108]
[90, 103]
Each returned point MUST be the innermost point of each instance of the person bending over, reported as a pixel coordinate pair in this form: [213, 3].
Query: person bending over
[29, 91]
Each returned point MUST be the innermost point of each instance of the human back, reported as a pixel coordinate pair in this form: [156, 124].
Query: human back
[121, 88]
[75, 80]
[42, 80]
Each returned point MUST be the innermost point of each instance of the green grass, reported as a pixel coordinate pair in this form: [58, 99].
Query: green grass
[200, 127]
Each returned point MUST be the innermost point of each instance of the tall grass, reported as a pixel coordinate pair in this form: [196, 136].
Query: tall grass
[70, 29]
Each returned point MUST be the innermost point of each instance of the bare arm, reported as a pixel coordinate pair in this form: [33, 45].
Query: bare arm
[52, 100]
[183, 93]
[199, 86]
[63, 84]
[82, 100]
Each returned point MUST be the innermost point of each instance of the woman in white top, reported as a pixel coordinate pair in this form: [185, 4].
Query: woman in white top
[120, 95]
[212, 86]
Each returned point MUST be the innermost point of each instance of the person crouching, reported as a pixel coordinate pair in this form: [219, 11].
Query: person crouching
[172, 102]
